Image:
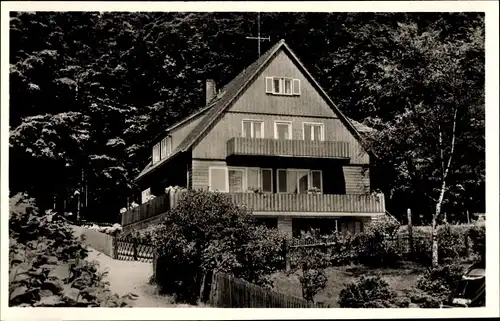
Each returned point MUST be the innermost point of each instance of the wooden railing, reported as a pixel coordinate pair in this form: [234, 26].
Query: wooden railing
[267, 202]
[286, 147]
[156, 206]
[347, 203]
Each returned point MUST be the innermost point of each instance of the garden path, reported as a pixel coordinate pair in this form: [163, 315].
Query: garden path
[131, 276]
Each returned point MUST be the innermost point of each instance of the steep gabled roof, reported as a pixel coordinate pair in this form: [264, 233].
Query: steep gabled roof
[231, 91]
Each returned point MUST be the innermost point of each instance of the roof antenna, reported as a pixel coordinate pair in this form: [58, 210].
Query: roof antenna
[259, 38]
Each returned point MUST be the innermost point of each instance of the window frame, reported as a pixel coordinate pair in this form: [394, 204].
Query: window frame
[259, 177]
[309, 178]
[294, 86]
[157, 153]
[144, 194]
[261, 180]
[252, 133]
[320, 178]
[244, 182]
[226, 190]
[283, 122]
[322, 131]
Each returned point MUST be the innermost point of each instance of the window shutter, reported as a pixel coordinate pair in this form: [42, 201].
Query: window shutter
[269, 84]
[296, 86]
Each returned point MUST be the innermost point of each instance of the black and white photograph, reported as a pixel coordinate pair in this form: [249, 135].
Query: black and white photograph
[256, 159]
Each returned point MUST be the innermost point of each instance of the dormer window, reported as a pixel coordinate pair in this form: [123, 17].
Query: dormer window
[162, 150]
[283, 86]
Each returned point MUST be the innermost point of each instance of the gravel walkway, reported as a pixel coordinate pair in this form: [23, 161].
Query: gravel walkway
[131, 276]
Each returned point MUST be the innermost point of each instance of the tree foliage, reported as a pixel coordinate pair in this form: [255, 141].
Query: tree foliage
[90, 90]
[48, 266]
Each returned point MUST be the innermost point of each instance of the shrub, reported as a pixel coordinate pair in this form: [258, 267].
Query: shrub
[311, 261]
[374, 247]
[368, 292]
[207, 232]
[434, 287]
[47, 265]
[114, 230]
[451, 243]
[312, 281]
[477, 235]
[339, 251]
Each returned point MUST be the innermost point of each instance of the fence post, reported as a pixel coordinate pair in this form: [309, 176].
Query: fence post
[410, 232]
[286, 256]
[467, 245]
[114, 248]
[135, 250]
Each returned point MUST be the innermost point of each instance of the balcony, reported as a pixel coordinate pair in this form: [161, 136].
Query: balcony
[346, 204]
[291, 148]
[273, 204]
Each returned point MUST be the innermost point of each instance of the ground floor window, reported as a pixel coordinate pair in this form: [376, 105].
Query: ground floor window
[269, 222]
[145, 195]
[326, 225]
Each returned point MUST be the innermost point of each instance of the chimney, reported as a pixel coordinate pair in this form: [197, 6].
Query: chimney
[210, 90]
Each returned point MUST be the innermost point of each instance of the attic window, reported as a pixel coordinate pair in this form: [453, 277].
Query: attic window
[162, 150]
[282, 86]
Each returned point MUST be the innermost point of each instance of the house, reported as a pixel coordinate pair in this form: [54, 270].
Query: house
[275, 142]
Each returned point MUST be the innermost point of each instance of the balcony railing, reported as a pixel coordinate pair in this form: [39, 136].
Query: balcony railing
[327, 203]
[156, 206]
[287, 147]
[267, 202]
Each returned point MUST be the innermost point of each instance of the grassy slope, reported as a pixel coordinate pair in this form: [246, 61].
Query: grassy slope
[400, 279]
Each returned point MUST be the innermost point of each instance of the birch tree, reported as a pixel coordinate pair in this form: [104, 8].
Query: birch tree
[445, 115]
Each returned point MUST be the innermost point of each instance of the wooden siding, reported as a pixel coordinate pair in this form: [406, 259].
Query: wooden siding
[348, 203]
[296, 148]
[199, 177]
[255, 99]
[213, 145]
[357, 179]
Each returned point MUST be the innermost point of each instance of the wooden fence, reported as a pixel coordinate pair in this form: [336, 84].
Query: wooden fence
[129, 250]
[101, 242]
[115, 247]
[229, 292]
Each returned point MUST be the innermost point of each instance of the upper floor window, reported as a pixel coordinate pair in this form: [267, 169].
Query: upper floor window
[156, 153]
[282, 130]
[162, 149]
[282, 86]
[253, 128]
[313, 131]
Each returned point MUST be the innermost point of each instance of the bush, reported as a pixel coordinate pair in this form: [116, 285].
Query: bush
[477, 234]
[207, 232]
[434, 287]
[374, 247]
[114, 230]
[339, 251]
[47, 266]
[451, 243]
[313, 281]
[368, 292]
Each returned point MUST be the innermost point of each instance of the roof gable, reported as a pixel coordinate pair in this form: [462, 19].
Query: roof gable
[232, 90]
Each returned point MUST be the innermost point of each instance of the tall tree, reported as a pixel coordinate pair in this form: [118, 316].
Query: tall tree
[443, 118]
